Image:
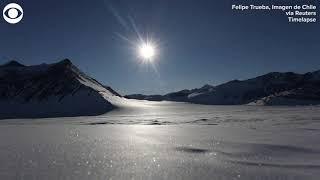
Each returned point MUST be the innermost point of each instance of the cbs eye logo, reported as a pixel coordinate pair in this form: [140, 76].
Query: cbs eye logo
[13, 13]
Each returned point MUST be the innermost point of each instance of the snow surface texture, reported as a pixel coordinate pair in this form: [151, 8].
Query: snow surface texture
[165, 140]
[51, 90]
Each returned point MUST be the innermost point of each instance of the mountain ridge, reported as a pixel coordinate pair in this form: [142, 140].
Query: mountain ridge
[239, 92]
[12, 63]
[51, 90]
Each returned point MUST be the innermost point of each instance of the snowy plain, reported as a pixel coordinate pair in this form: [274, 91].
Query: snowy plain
[166, 140]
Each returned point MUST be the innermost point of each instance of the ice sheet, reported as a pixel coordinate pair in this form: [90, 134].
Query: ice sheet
[166, 141]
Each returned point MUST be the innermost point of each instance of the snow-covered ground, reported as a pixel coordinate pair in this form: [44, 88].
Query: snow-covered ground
[165, 140]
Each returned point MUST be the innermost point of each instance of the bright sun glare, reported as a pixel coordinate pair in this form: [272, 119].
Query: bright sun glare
[147, 51]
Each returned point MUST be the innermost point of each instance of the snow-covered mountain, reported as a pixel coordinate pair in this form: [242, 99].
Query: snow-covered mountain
[51, 90]
[307, 93]
[270, 89]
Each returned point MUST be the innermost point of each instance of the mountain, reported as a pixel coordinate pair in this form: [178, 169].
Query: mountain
[307, 93]
[145, 97]
[12, 64]
[51, 90]
[112, 91]
[270, 89]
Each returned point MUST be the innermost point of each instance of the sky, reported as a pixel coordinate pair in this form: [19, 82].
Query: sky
[198, 41]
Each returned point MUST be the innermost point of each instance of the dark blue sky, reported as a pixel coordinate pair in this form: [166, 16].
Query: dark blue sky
[200, 41]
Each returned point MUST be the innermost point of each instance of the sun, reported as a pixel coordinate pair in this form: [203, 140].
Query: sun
[147, 51]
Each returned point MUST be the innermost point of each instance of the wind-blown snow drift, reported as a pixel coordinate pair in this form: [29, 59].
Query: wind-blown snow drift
[51, 90]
